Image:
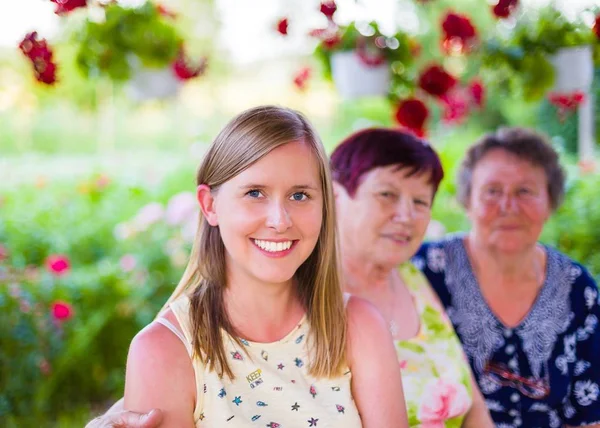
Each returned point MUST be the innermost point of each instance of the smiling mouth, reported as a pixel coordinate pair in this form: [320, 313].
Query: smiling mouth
[274, 246]
[401, 239]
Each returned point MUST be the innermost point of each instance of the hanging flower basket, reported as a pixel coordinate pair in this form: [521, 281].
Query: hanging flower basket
[353, 77]
[574, 69]
[147, 83]
[139, 47]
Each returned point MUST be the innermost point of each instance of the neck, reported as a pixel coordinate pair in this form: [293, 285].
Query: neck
[259, 311]
[361, 276]
[514, 268]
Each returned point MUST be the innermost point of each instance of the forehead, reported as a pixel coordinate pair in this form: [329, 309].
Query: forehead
[395, 175]
[502, 166]
[289, 163]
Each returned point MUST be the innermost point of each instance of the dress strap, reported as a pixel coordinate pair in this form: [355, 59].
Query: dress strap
[176, 332]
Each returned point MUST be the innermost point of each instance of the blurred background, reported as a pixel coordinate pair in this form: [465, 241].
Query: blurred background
[106, 110]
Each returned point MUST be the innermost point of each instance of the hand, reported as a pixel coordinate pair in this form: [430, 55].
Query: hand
[125, 419]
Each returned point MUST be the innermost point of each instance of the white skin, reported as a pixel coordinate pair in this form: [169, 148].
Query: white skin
[279, 198]
[382, 226]
[508, 207]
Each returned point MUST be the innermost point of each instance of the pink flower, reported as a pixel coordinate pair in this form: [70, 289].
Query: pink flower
[185, 70]
[58, 264]
[148, 215]
[181, 208]
[62, 311]
[66, 6]
[477, 92]
[456, 106]
[302, 77]
[443, 400]
[45, 367]
[128, 262]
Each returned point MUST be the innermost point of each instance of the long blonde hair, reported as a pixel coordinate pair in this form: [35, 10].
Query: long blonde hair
[244, 140]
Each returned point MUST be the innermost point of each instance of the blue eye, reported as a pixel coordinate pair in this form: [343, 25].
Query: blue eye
[421, 202]
[253, 193]
[299, 196]
[388, 194]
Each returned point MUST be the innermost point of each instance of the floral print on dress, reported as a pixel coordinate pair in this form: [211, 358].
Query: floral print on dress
[435, 373]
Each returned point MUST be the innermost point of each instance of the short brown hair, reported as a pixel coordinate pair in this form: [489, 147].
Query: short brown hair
[523, 143]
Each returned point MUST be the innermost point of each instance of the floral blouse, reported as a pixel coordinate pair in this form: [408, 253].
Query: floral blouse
[546, 371]
[272, 387]
[435, 374]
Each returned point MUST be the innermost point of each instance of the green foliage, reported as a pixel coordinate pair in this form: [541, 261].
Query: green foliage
[519, 62]
[108, 48]
[51, 367]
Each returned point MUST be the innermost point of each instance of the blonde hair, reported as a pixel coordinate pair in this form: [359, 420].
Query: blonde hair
[244, 140]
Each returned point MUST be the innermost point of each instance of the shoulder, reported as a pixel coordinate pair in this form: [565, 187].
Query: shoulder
[364, 321]
[157, 362]
[574, 275]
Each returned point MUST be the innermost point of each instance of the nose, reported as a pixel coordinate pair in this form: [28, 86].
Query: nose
[508, 203]
[278, 217]
[404, 211]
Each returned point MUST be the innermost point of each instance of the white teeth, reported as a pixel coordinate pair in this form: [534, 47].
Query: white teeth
[273, 247]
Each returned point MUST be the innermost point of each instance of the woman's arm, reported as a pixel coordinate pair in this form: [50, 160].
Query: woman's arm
[160, 375]
[478, 416]
[376, 379]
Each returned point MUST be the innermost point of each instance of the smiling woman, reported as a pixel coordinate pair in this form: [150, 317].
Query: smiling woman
[526, 314]
[257, 327]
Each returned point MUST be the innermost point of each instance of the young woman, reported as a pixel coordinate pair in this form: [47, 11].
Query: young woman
[257, 331]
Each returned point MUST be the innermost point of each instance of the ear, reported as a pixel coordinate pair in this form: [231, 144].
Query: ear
[338, 189]
[207, 204]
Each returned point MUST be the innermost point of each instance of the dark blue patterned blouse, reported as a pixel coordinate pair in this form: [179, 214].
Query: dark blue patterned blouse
[546, 371]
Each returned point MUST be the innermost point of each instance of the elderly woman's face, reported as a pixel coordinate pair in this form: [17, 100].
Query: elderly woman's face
[509, 202]
[386, 220]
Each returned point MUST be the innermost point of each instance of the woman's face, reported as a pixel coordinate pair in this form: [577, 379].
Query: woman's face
[269, 215]
[509, 202]
[386, 220]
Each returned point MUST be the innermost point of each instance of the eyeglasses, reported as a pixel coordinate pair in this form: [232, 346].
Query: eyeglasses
[530, 387]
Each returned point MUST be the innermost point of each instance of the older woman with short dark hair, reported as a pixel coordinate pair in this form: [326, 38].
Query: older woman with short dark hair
[385, 181]
[526, 314]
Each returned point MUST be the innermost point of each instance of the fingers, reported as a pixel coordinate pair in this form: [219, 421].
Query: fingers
[152, 419]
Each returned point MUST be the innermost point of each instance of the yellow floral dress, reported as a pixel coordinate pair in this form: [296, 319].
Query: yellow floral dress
[435, 373]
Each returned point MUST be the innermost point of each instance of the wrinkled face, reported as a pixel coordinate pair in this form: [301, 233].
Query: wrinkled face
[386, 220]
[509, 202]
[269, 215]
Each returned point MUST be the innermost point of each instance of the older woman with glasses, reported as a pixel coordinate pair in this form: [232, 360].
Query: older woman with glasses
[527, 315]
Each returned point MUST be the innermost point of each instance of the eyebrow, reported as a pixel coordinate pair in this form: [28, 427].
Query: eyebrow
[262, 186]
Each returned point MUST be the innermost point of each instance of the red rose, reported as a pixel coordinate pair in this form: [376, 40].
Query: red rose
[436, 81]
[412, 114]
[40, 55]
[504, 8]
[66, 6]
[57, 264]
[184, 70]
[62, 311]
[458, 31]
[282, 26]
[328, 8]
[477, 92]
[302, 77]
[597, 27]
[456, 107]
